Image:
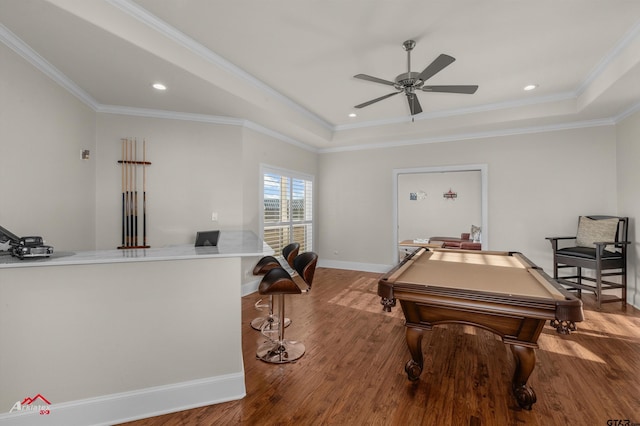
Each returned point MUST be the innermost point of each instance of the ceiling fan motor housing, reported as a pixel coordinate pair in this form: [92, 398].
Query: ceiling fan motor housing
[408, 80]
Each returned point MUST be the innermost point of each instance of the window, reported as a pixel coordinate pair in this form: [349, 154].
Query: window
[287, 209]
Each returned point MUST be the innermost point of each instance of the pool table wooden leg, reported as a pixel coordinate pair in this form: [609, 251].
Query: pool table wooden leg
[387, 304]
[525, 358]
[414, 342]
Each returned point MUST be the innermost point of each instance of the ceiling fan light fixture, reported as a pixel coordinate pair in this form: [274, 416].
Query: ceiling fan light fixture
[353, 115]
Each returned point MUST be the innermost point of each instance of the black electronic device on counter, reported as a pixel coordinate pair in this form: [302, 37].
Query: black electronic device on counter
[207, 238]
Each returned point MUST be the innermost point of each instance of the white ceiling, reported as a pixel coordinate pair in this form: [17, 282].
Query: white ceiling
[287, 66]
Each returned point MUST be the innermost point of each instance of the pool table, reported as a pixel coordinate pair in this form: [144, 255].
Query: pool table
[502, 292]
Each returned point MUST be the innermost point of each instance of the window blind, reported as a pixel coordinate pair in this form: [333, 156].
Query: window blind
[287, 209]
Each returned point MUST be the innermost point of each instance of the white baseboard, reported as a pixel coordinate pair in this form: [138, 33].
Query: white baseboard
[134, 405]
[250, 287]
[633, 298]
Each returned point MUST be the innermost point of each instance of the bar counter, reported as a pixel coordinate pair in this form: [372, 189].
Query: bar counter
[231, 244]
[115, 335]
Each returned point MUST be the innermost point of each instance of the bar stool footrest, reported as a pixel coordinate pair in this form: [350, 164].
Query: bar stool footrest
[280, 352]
[258, 323]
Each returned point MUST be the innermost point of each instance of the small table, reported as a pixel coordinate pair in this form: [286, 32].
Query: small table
[502, 292]
[407, 247]
[420, 243]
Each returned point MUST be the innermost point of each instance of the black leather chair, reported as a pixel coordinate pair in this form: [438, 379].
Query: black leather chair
[600, 245]
[264, 265]
[278, 283]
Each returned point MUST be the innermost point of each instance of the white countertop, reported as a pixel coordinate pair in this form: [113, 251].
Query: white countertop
[231, 244]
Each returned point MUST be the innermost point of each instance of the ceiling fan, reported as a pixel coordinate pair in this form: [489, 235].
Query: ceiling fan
[409, 82]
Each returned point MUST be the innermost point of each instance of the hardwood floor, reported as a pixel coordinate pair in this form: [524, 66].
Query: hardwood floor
[353, 370]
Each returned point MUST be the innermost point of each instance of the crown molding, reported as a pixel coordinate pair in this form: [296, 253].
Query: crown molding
[169, 115]
[476, 135]
[187, 42]
[26, 52]
[626, 113]
[559, 97]
[201, 118]
[616, 51]
[277, 135]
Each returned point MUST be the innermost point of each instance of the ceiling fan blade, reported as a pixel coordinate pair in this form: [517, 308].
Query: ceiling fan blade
[469, 90]
[440, 63]
[376, 100]
[374, 79]
[414, 104]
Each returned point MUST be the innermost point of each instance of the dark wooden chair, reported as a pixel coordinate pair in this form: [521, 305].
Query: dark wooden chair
[264, 265]
[599, 245]
[278, 283]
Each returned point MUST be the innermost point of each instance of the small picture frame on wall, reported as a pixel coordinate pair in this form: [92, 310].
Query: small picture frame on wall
[450, 195]
[413, 196]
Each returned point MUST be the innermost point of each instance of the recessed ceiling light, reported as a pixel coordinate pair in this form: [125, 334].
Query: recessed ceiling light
[530, 87]
[353, 114]
[159, 86]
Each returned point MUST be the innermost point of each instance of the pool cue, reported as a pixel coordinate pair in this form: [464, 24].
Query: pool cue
[144, 192]
[123, 195]
[125, 164]
[130, 193]
[130, 167]
[135, 192]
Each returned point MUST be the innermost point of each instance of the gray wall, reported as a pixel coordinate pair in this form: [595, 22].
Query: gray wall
[194, 172]
[538, 183]
[47, 189]
[432, 215]
[628, 173]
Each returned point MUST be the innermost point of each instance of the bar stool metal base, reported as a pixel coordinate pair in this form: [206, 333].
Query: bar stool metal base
[258, 323]
[280, 352]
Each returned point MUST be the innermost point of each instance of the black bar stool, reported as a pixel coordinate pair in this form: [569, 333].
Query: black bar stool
[278, 283]
[263, 266]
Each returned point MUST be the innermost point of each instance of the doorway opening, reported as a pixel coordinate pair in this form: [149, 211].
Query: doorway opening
[440, 201]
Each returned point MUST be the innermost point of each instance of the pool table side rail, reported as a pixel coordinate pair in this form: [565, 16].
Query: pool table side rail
[405, 263]
[521, 326]
[534, 307]
[569, 308]
[385, 285]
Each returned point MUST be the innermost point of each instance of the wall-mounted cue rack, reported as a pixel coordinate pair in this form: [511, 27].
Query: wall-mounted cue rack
[131, 194]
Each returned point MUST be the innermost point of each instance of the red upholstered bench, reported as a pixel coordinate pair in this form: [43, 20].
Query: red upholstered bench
[459, 243]
[470, 246]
